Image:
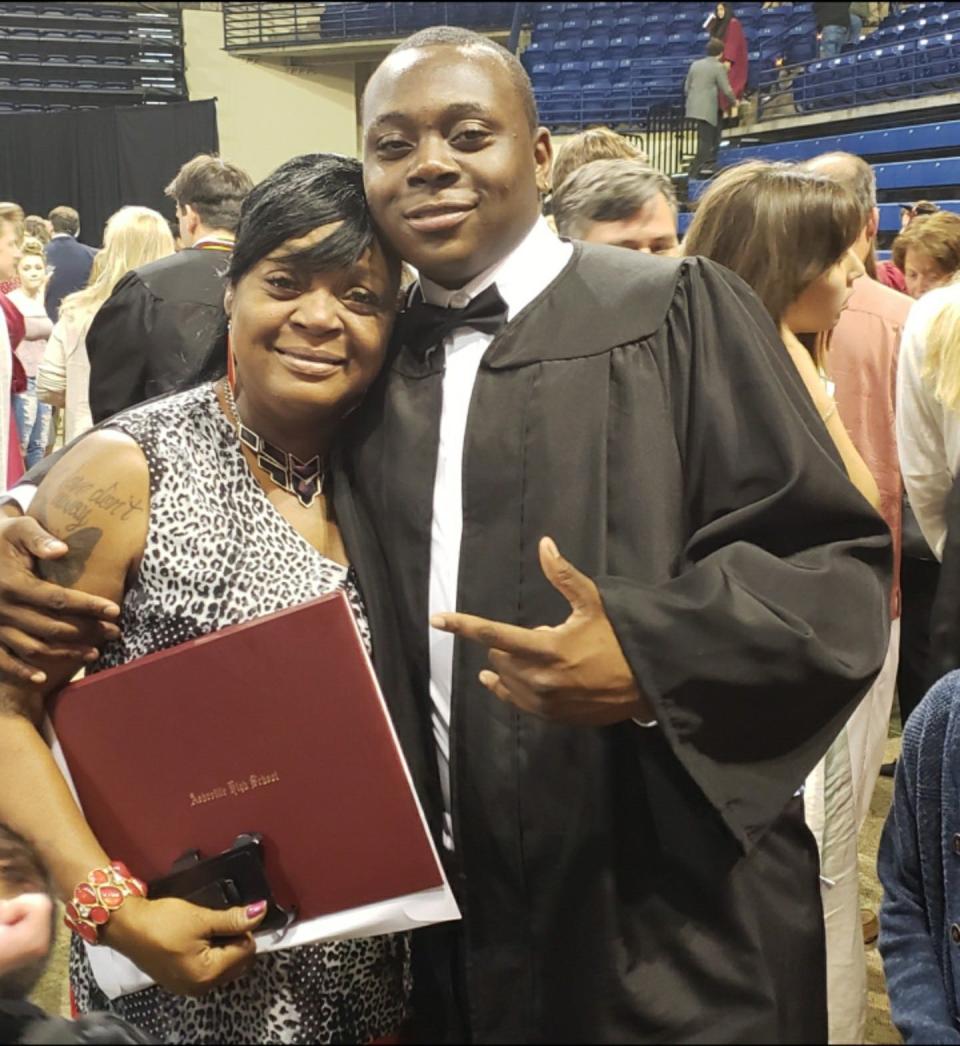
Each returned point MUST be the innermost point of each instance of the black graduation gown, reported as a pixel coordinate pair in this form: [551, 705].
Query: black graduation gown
[624, 884]
[154, 334]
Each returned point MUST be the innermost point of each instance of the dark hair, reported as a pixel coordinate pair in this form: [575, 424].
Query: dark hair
[21, 868]
[453, 36]
[64, 219]
[715, 47]
[214, 188]
[721, 25]
[298, 197]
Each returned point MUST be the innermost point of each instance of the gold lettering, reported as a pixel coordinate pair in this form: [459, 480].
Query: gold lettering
[234, 787]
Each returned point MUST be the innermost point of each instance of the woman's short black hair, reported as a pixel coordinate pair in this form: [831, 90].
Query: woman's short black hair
[301, 195]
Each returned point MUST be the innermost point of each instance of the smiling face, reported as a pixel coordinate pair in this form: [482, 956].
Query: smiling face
[33, 272]
[311, 343]
[451, 165]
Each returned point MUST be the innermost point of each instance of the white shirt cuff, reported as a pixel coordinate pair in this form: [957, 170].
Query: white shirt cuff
[22, 495]
[647, 726]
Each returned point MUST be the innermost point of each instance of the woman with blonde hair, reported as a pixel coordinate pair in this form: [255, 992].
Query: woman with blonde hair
[134, 236]
[928, 406]
[789, 233]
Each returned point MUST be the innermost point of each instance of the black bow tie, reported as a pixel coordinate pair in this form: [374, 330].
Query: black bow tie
[422, 327]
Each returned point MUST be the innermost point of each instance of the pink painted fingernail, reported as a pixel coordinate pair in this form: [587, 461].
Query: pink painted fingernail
[256, 910]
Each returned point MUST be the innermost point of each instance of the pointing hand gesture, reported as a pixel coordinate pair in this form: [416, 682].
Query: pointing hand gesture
[575, 673]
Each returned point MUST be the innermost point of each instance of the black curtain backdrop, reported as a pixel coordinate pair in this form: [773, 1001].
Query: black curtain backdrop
[99, 160]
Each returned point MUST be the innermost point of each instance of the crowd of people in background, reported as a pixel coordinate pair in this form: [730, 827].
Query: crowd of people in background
[771, 330]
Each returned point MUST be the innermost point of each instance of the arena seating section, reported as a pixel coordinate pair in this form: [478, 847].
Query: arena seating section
[929, 173]
[60, 56]
[351, 19]
[249, 25]
[611, 62]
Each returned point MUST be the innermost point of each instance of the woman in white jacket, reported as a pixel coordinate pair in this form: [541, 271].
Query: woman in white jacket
[134, 236]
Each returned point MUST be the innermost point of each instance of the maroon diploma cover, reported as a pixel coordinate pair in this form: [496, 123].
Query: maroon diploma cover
[276, 726]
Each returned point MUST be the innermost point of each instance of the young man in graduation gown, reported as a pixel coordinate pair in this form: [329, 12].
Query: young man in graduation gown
[619, 729]
[619, 789]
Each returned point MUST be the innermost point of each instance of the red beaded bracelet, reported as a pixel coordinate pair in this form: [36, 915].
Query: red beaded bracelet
[99, 897]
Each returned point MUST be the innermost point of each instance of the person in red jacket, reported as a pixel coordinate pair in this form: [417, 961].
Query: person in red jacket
[725, 26]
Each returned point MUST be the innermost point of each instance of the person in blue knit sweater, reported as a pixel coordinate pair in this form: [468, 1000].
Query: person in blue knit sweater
[919, 866]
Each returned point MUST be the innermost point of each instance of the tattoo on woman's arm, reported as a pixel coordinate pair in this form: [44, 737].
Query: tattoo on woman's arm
[67, 571]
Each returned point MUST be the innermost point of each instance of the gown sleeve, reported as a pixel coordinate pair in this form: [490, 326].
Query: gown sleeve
[118, 348]
[775, 620]
[735, 52]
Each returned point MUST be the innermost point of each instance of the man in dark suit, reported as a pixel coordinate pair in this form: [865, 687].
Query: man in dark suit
[69, 259]
[155, 331]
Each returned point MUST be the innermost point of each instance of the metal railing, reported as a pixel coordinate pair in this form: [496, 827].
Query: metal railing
[288, 24]
[868, 76]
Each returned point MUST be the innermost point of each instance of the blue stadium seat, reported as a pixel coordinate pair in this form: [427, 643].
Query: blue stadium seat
[898, 68]
[679, 44]
[602, 24]
[541, 47]
[774, 19]
[594, 44]
[602, 71]
[543, 74]
[629, 22]
[650, 44]
[938, 60]
[869, 73]
[574, 25]
[546, 27]
[623, 45]
[571, 74]
[800, 45]
[753, 69]
[685, 22]
[623, 72]
[565, 49]
[546, 11]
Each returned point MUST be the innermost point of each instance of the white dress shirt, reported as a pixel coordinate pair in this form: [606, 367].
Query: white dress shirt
[520, 277]
[928, 433]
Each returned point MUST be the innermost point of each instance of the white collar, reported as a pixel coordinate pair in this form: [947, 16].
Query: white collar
[520, 277]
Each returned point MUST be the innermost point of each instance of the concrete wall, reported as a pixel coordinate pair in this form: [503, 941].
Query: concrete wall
[268, 112]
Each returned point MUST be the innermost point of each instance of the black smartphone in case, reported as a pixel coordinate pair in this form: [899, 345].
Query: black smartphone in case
[235, 878]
